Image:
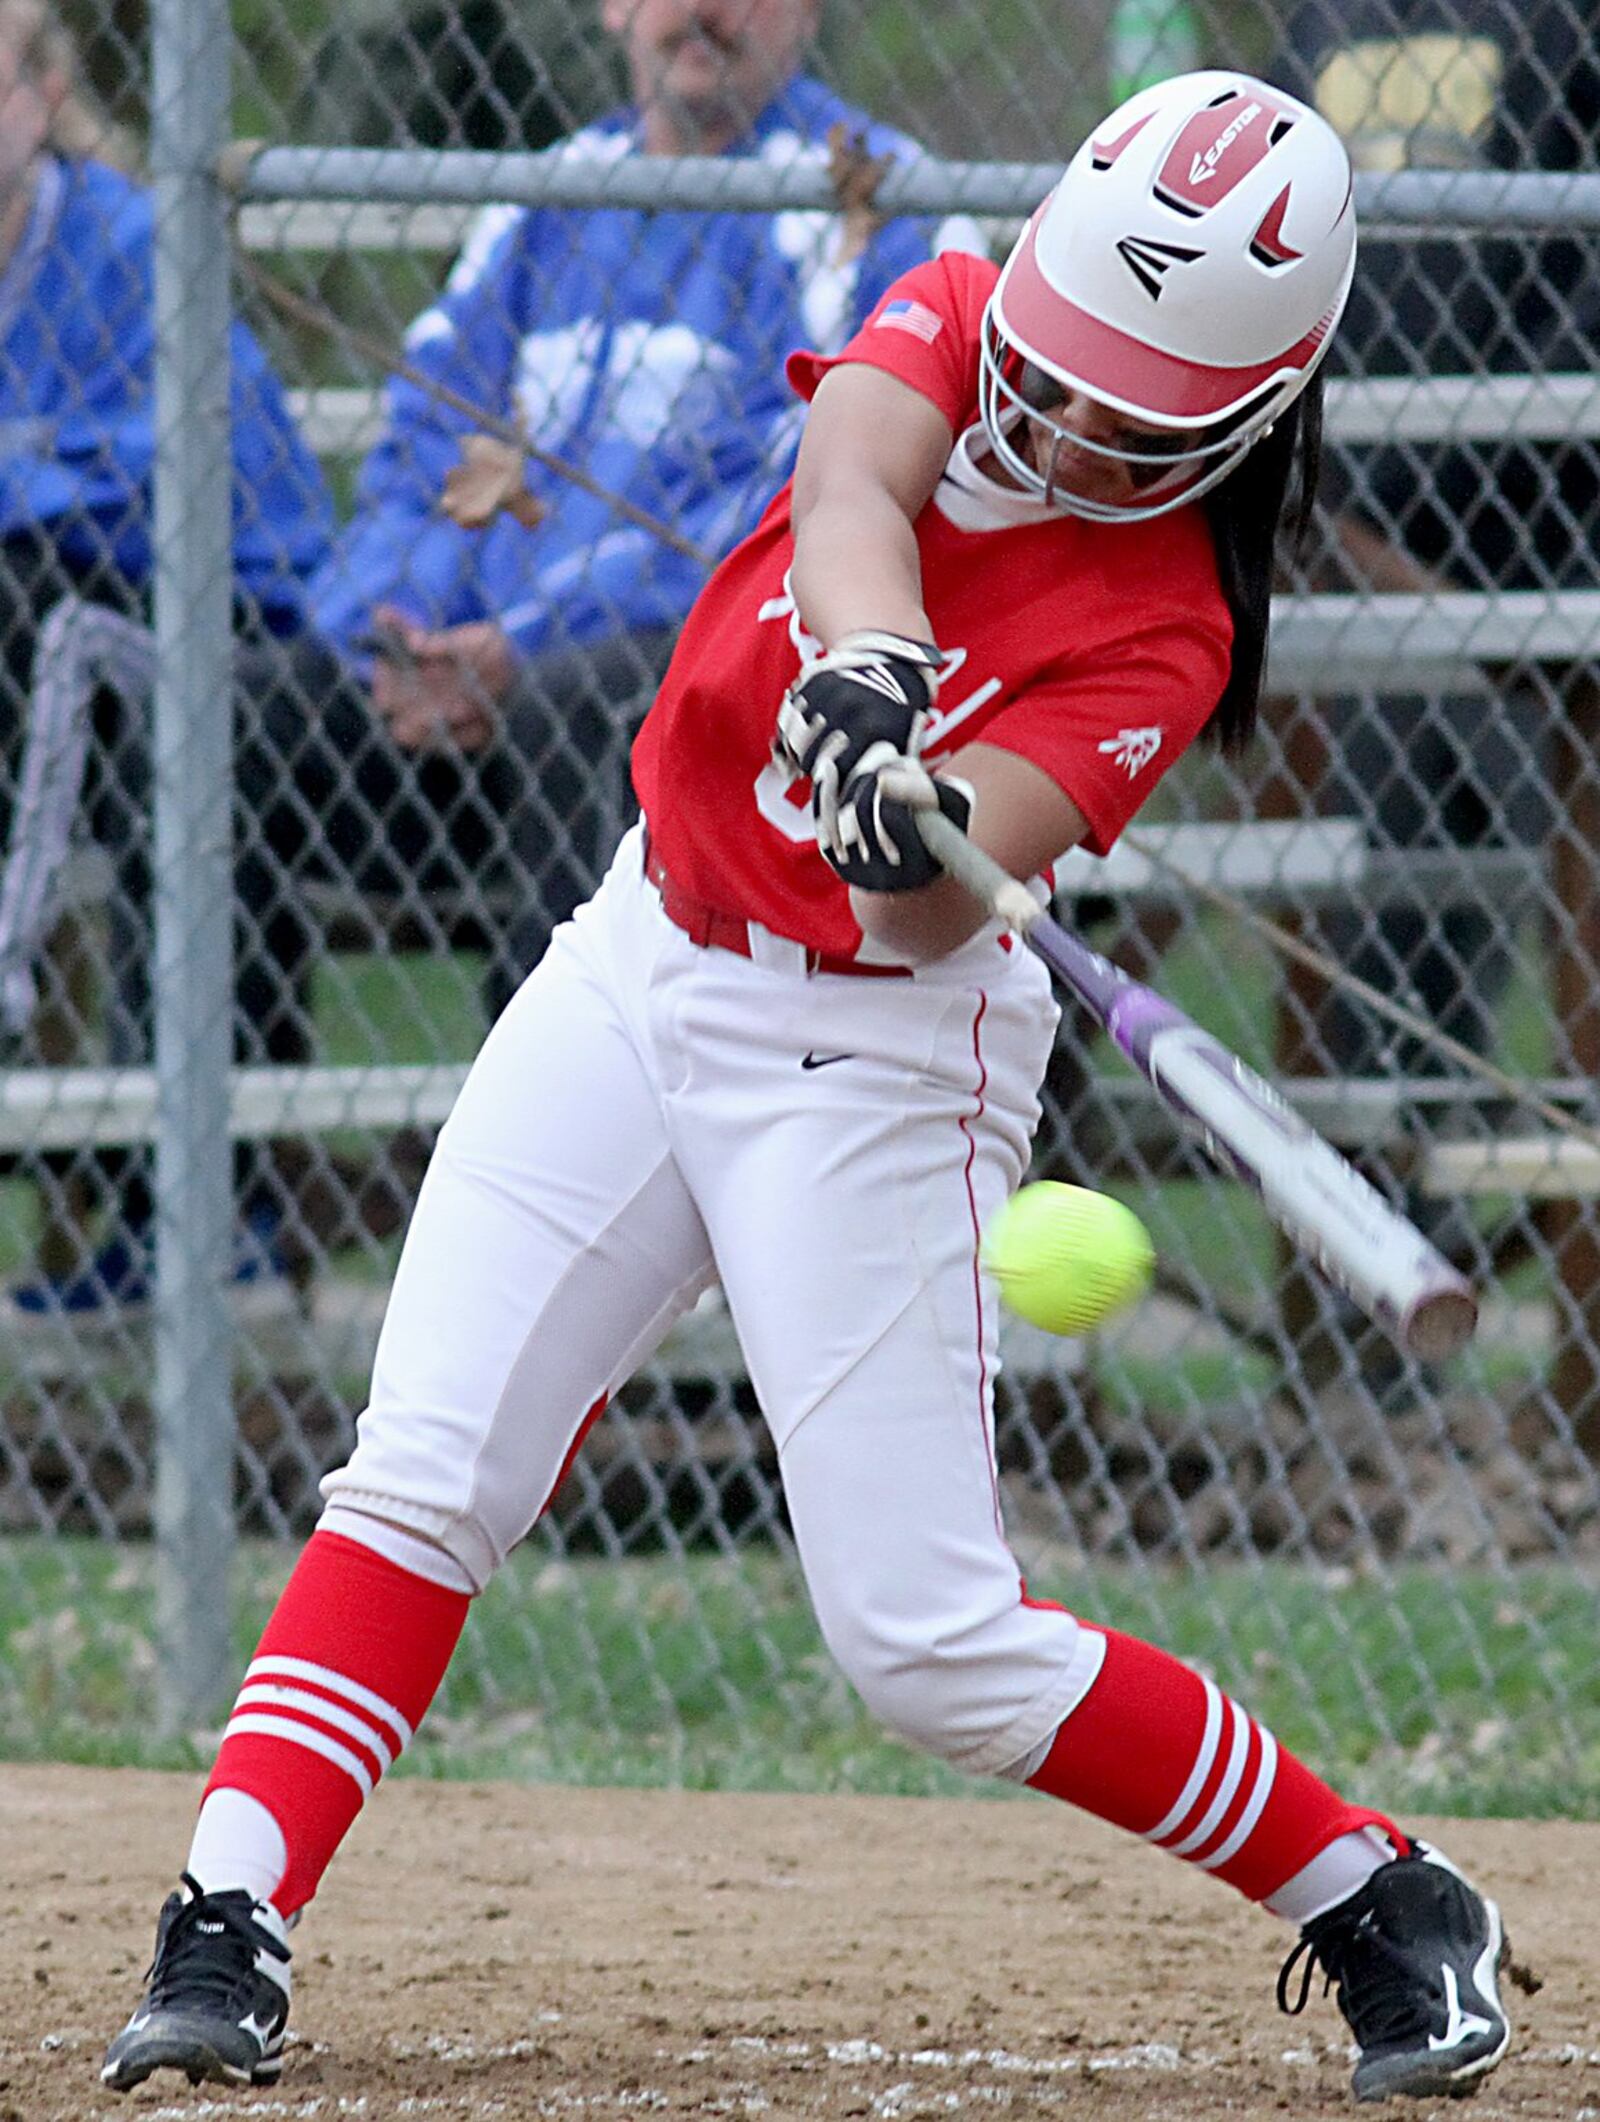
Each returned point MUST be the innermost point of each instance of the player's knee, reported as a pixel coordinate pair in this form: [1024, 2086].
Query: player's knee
[917, 1706]
[957, 1698]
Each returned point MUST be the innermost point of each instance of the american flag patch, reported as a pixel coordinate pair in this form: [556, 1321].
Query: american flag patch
[914, 317]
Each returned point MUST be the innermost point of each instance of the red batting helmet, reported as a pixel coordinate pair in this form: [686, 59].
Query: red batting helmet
[1187, 271]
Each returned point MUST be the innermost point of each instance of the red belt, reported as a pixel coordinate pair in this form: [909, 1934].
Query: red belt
[714, 930]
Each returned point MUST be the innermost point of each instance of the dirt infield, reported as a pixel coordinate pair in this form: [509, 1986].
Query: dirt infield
[494, 1951]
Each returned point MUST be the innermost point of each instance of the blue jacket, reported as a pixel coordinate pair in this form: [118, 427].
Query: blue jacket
[77, 407]
[646, 348]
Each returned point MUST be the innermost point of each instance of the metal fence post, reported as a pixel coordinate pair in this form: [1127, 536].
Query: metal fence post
[193, 894]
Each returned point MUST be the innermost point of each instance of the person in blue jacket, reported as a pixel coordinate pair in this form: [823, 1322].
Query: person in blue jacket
[77, 338]
[522, 645]
[77, 446]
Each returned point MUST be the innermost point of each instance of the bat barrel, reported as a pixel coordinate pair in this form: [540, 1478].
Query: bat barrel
[1362, 1244]
[1440, 1322]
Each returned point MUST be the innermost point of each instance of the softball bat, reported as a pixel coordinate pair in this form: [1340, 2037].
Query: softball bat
[1248, 1129]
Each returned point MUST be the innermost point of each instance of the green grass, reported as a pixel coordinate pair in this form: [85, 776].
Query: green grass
[1426, 1690]
[19, 1226]
[424, 1006]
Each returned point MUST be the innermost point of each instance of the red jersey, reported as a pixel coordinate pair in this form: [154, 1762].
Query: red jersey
[1096, 652]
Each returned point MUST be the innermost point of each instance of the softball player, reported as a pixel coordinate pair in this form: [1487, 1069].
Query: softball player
[1023, 563]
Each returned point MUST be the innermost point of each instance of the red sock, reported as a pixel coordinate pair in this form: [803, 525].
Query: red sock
[1155, 1748]
[350, 1660]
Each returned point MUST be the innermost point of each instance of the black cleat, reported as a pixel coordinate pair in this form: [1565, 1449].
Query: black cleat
[216, 1998]
[1413, 1958]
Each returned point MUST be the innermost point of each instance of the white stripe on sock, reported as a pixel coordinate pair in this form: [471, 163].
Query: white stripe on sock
[1202, 1767]
[315, 1742]
[1227, 1789]
[1266, 1775]
[272, 1695]
[337, 1684]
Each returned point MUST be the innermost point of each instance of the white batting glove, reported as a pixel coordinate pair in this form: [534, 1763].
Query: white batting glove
[870, 836]
[869, 689]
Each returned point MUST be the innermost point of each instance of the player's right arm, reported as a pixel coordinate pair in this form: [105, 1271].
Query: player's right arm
[1019, 815]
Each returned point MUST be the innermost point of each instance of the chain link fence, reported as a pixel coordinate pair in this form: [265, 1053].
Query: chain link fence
[1398, 1564]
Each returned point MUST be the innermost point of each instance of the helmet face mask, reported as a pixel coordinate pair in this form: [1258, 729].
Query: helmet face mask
[1179, 287]
[1156, 468]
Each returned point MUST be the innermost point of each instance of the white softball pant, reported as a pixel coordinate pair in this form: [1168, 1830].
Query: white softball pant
[638, 1125]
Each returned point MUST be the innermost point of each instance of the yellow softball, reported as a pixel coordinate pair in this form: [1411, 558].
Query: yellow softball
[1066, 1258]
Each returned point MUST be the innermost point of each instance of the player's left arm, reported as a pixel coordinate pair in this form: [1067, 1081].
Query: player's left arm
[1017, 814]
[873, 450]
[872, 453]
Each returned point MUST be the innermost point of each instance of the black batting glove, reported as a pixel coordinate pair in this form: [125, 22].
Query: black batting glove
[869, 690]
[869, 834]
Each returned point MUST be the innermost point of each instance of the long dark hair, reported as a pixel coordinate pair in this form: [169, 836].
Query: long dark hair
[1273, 489]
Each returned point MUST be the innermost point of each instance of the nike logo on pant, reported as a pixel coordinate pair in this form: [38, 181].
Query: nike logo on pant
[815, 1060]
